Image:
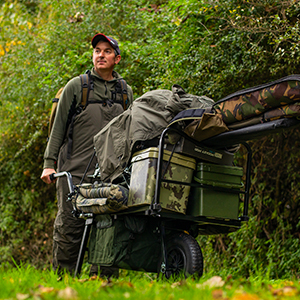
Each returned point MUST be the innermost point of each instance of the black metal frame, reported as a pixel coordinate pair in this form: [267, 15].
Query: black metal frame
[155, 207]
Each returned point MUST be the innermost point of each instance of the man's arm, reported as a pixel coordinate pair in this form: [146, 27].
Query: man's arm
[71, 90]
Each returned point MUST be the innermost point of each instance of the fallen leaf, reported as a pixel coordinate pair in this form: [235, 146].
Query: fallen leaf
[67, 293]
[245, 296]
[174, 285]
[46, 290]
[277, 292]
[285, 291]
[178, 283]
[289, 291]
[83, 280]
[217, 294]
[106, 283]
[215, 281]
[22, 296]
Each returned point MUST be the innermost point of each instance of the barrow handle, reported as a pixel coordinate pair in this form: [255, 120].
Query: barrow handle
[69, 179]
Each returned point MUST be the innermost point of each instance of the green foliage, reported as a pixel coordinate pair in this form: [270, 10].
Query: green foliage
[209, 47]
[33, 67]
[25, 282]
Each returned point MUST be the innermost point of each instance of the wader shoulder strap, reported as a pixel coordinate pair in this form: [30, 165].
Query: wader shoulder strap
[120, 95]
[124, 93]
[86, 86]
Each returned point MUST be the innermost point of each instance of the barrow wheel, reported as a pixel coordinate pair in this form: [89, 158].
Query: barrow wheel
[184, 256]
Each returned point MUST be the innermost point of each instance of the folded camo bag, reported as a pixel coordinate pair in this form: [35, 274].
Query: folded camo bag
[103, 198]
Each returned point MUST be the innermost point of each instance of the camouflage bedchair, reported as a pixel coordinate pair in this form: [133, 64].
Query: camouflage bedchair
[245, 114]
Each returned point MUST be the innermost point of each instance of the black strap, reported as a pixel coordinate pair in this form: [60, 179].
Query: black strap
[120, 88]
[87, 85]
[124, 93]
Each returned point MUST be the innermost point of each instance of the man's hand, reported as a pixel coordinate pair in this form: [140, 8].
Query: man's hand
[46, 175]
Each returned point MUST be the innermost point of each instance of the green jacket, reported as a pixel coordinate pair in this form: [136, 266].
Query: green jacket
[86, 124]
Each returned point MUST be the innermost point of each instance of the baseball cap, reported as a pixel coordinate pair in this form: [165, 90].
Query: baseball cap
[101, 37]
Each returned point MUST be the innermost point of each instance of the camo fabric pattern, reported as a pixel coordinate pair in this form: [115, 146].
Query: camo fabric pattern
[173, 197]
[292, 110]
[247, 105]
[101, 198]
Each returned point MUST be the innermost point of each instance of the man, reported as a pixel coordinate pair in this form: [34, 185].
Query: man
[73, 151]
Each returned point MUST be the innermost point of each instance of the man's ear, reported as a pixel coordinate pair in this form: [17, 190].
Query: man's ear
[117, 59]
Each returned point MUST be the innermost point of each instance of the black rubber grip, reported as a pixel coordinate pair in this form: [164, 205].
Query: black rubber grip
[52, 176]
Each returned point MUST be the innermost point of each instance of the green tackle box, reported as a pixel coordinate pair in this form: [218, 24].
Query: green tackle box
[211, 202]
[173, 197]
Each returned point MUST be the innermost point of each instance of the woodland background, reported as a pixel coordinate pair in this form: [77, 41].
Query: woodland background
[209, 47]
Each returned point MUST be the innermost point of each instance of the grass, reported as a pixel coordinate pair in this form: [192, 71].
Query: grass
[26, 282]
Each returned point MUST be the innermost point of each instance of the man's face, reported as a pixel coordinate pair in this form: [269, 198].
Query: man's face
[104, 57]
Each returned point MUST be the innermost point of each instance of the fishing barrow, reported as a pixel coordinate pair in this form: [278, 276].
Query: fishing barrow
[171, 193]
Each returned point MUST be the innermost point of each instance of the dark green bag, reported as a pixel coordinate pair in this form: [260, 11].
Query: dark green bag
[128, 242]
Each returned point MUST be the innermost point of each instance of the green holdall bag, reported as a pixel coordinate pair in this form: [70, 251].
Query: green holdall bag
[128, 242]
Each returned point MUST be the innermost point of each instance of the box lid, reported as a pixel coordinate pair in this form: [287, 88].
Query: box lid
[227, 185]
[223, 169]
[178, 159]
